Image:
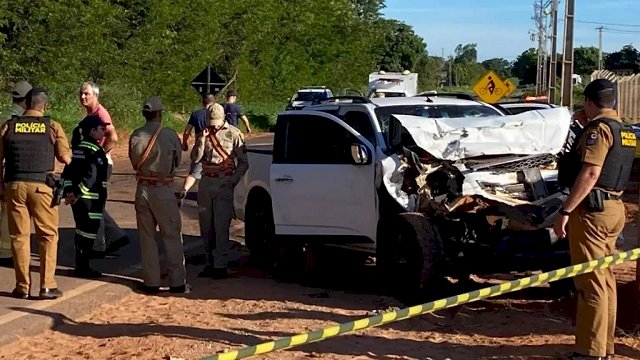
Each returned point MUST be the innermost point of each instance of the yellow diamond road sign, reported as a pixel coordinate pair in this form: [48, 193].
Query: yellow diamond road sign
[511, 88]
[490, 88]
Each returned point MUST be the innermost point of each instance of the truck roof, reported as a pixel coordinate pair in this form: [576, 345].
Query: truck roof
[421, 100]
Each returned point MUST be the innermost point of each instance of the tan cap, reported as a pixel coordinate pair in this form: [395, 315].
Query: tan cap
[20, 89]
[216, 114]
[152, 104]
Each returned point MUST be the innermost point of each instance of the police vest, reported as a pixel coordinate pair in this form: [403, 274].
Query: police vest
[29, 149]
[617, 165]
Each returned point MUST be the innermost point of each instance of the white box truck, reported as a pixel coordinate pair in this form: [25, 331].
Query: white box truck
[393, 84]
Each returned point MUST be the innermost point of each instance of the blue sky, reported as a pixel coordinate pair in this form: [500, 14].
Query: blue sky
[501, 27]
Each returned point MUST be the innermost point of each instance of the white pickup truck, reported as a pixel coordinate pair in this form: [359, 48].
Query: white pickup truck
[427, 185]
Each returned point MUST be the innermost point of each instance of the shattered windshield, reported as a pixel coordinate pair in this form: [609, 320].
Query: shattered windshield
[432, 111]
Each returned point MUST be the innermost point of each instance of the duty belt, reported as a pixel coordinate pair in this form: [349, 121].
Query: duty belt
[608, 196]
[223, 169]
[154, 181]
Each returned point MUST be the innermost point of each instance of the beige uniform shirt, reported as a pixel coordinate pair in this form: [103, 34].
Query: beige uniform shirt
[222, 153]
[165, 155]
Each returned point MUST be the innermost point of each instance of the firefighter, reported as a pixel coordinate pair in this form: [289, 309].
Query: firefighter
[85, 188]
[596, 170]
[222, 152]
[155, 153]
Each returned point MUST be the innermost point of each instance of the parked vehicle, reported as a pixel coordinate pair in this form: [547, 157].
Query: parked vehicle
[429, 186]
[517, 107]
[393, 84]
[305, 96]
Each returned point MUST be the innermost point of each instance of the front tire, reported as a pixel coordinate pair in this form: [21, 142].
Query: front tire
[260, 234]
[411, 256]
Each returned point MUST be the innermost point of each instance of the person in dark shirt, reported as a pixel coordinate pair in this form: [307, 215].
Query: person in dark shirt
[233, 111]
[198, 121]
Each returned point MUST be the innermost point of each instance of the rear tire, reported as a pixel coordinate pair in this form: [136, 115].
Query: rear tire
[411, 257]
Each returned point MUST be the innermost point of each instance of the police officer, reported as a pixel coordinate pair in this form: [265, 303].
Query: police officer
[596, 171]
[222, 152]
[30, 145]
[85, 188]
[19, 105]
[155, 152]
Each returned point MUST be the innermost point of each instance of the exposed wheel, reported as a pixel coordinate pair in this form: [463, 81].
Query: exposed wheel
[410, 255]
[260, 234]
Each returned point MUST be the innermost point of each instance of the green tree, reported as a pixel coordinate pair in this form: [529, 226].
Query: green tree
[500, 66]
[627, 58]
[585, 60]
[401, 48]
[525, 66]
[466, 54]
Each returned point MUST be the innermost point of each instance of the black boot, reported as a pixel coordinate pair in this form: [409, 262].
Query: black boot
[83, 269]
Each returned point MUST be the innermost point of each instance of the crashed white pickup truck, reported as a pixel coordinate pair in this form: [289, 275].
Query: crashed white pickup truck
[429, 186]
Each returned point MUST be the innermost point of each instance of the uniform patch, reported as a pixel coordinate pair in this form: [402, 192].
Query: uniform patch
[30, 128]
[229, 135]
[591, 138]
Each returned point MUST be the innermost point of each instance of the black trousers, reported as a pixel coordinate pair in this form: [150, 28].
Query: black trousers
[87, 215]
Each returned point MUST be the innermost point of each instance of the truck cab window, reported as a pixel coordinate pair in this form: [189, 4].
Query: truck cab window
[312, 139]
[361, 123]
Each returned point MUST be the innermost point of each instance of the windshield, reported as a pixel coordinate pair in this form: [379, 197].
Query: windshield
[310, 95]
[432, 111]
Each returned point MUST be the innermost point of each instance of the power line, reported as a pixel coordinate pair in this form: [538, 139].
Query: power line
[608, 24]
[620, 31]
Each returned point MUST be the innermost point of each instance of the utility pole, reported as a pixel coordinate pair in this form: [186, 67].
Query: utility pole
[554, 52]
[600, 46]
[539, 17]
[566, 98]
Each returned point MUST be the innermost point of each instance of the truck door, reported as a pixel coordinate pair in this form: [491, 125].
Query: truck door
[322, 179]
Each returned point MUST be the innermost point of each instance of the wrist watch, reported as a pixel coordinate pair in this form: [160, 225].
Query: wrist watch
[564, 212]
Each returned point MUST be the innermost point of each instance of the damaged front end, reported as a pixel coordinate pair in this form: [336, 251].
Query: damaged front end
[488, 184]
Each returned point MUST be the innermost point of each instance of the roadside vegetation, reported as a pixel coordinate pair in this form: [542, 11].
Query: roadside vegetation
[135, 49]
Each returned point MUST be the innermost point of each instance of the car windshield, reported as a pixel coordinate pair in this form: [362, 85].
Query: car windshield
[432, 111]
[310, 95]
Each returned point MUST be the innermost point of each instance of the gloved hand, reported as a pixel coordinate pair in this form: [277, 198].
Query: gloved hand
[180, 196]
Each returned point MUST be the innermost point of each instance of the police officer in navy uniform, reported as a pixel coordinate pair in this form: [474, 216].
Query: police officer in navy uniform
[596, 171]
[85, 188]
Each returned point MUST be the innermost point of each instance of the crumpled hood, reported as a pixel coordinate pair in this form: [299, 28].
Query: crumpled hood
[530, 133]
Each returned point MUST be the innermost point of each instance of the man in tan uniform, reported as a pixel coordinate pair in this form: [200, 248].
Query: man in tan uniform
[30, 145]
[223, 155]
[18, 106]
[596, 170]
[155, 153]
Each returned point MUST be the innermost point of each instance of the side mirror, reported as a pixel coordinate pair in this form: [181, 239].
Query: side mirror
[394, 134]
[360, 154]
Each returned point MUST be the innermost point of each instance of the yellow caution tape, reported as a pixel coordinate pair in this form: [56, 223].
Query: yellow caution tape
[406, 313]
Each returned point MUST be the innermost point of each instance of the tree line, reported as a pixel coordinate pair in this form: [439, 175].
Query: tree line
[138, 48]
